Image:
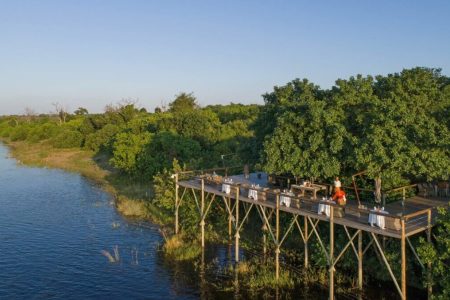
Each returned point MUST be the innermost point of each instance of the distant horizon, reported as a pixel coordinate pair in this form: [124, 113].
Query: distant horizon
[90, 54]
[142, 104]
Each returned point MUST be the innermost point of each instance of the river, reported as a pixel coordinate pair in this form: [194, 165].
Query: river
[57, 228]
[54, 226]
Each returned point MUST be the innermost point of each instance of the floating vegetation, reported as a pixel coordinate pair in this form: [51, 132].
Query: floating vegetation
[134, 256]
[112, 259]
[115, 225]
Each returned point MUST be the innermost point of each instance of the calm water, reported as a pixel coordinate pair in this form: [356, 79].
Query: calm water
[53, 227]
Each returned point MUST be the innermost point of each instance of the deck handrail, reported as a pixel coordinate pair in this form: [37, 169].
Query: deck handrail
[417, 213]
[400, 188]
[305, 200]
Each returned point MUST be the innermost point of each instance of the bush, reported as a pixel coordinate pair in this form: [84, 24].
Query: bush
[102, 138]
[42, 132]
[68, 139]
[19, 133]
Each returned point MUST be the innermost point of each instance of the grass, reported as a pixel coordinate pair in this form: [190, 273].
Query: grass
[132, 198]
[179, 249]
[260, 274]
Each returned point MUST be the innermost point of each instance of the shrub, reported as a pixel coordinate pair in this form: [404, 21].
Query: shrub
[42, 132]
[19, 133]
[102, 138]
[68, 139]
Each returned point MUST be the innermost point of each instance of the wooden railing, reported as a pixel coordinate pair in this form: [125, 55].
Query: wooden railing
[301, 202]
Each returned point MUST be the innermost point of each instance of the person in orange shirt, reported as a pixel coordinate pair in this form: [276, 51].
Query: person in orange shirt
[339, 196]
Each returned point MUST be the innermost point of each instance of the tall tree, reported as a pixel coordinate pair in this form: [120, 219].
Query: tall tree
[183, 102]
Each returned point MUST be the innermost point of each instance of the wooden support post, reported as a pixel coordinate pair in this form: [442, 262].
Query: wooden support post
[264, 230]
[202, 209]
[236, 236]
[230, 219]
[403, 255]
[360, 261]
[429, 286]
[331, 255]
[277, 237]
[356, 190]
[176, 204]
[305, 236]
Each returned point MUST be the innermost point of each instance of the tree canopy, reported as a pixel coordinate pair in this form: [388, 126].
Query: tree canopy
[393, 126]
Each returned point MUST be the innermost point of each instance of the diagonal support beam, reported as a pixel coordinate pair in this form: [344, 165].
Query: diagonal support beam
[301, 231]
[320, 240]
[269, 227]
[245, 217]
[388, 266]
[368, 245]
[209, 206]
[415, 253]
[291, 225]
[181, 198]
[196, 202]
[350, 242]
[315, 226]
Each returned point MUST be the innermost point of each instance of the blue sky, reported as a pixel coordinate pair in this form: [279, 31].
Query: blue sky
[91, 53]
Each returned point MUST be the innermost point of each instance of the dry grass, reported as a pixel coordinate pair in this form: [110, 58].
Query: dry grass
[131, 208]
[44, 155]
[178, 249]
[243, 267]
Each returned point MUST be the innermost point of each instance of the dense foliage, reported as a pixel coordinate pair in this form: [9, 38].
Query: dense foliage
[395, 127]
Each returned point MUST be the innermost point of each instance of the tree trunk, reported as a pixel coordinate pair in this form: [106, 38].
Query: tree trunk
[378, 189]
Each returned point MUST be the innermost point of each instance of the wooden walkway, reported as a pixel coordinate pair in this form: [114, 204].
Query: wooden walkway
[416, 215]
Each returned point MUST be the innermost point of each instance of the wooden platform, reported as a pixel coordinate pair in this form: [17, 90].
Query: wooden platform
[354, 218]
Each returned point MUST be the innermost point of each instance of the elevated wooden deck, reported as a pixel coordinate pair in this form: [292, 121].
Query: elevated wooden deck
[414, 211]
[403, 219]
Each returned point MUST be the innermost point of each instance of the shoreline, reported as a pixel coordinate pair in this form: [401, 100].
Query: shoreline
[131, 199]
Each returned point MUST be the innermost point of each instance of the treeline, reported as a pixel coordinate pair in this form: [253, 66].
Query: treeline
[142, 144]
[396, 127]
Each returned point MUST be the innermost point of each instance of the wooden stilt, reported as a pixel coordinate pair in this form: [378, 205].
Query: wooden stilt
[360, 261]
[305, 237]
[202, 209]
[230, 219]
[277, 237]
[429, 285]
[176, 204]
[264, 230]
[331, 255]
[236, 236]
[403, 255]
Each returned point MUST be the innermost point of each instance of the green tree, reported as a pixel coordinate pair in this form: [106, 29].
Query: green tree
[81, 111]
[183, 102]
[126, 149]
[437, 254]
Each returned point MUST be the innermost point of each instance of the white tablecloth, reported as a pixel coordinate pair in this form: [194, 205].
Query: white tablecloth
[253, 194]
[286, 200]
[377, 220]
[324, 208]
[226, 188]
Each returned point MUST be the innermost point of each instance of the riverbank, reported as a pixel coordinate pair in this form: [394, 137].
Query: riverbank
[132, 198]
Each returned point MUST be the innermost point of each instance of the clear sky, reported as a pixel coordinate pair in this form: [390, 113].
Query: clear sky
[91, 53]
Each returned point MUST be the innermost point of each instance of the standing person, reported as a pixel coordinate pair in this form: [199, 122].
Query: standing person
[337, 183]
